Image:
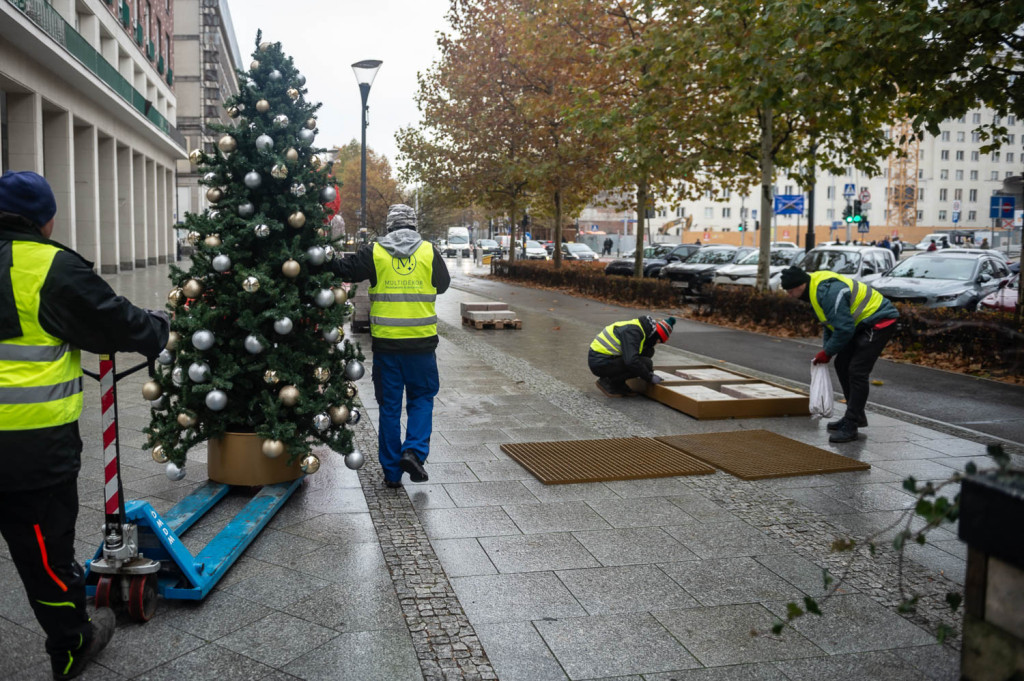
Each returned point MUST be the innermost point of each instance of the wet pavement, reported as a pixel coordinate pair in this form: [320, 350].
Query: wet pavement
[483, 572]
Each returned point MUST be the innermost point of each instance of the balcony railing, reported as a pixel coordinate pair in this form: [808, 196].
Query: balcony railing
[54, 25]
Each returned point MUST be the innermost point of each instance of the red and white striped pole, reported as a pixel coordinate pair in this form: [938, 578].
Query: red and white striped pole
[113, 505]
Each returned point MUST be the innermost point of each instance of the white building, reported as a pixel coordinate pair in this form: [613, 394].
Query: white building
[86, 100]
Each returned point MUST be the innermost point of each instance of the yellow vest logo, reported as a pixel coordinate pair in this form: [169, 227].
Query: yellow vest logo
[404, 266]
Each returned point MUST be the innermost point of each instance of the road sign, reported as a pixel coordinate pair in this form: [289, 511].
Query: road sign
[1001, 207]
[849, 190]
[593, 228]
[836, 225]
[527, 235]
[789, 204]
[956, 206]
[707, 235]
[1018, 218]
[865, 196]
[956, 216]
[863, 227]
[1008, 223]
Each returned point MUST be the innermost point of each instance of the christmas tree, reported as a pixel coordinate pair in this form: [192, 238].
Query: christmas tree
[256, 342]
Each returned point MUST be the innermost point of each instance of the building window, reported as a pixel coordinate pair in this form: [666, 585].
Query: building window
[1011, 120]
[708, 196]
[680, 212]
[920, 194]
[943, 194]
[976, 118]
[726, 193]
[975, 137]
[943, 174]
[975, 156]
[920, 215]
[958, 194]
[959, 174]
[944, 154]
[972, 215]
[830, 214]
[1007, 175]
[945, 135]
[994, 175]
[942, 215]
[830, 192]
[1010, 138]
[960, 155]
[995, 120]
[726, 212]
[995, 155]
[972, 195]
[709, 212]
[974, 174]
[961, 136]
[1009, 157]
[920, 173]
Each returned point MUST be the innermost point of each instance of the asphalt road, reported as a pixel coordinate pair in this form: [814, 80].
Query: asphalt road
[981, 405]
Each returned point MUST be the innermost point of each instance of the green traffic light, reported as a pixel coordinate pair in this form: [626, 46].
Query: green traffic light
[849, 218]
[858, 218]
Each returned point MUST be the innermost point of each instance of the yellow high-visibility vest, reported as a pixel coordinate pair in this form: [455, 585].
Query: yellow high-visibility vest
[40, 374]
[864, 300]
[402, 300]
[608, 343]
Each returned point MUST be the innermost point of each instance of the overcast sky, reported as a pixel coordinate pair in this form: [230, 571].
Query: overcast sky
[325, 37]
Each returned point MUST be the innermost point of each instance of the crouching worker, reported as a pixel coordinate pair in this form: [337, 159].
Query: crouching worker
[624, 350]
[859, 321]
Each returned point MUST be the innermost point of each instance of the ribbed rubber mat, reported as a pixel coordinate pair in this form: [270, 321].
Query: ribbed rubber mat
[759, 454]
[628, 458]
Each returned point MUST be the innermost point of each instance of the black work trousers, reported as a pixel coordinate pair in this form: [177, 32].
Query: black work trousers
[854, 364]
[39, 528]
[613, 368]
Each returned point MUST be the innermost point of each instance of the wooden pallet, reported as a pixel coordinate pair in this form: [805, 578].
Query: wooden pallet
[493, 323]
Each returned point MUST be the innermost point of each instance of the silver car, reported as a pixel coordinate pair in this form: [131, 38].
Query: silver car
[948, 278]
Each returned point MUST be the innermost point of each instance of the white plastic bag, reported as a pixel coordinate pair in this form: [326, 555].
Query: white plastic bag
[821, 391]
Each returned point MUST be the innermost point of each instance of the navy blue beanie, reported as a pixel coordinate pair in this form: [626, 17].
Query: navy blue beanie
[27, 194]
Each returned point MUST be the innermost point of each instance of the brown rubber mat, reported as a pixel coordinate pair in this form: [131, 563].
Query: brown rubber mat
[759, 454]
[628, 458]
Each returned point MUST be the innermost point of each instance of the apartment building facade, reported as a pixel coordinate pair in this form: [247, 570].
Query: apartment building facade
[87, 100]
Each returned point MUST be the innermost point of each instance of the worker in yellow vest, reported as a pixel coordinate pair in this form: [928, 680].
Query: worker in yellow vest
[858, 321]
[52, 306]
[405, 274]
[625, 350]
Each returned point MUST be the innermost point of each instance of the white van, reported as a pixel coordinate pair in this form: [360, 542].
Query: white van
[863, 263]
[458, 242]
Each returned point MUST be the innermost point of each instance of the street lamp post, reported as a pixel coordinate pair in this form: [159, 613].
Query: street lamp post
[365, 71]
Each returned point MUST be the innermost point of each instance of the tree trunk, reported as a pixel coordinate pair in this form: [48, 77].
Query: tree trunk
[512, 231]
[767, 170]
[557, 253]
[641, 218]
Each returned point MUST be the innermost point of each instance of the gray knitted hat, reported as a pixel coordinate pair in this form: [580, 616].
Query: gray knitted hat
[400, 216]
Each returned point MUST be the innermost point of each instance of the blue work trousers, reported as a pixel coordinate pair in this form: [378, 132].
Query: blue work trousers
[415, 375]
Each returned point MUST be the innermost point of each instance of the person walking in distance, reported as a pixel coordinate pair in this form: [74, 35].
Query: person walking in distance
[405, 274]
[52, 306]
[625, 350]
[858, 321]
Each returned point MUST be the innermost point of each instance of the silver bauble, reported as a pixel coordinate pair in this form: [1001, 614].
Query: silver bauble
[264, 143]
[165, 358]
[272, 448]
[151, 390]
[208, 178]
[251, 284]
[274, 75]
[253, 345]
[301, 80]
[160, 403]
[246, 209]
[354, 370]
[221, 263]
[339, 414]
[315, 255]
[173, 472]
[354, 417]
[340, 295]
[306, 136]
[321, 422]
[283, 326]
[158, 454]
[324, 298]
[328, 194]
[310, 465]
[177, 376]
[199, 372]
[252, 179]
[251, 84]
[329, 254]
[216, 400]
[331, 335]
[298, 189]
[203, 339]
[261, 231]
[355, 460]
[281, 121]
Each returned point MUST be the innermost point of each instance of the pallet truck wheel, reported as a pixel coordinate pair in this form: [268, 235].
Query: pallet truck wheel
[105, 592]
[142, 597]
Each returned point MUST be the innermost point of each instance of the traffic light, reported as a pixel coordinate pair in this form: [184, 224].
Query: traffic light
[857, 216]
[848, 214]
[742, 226]
[757, 225]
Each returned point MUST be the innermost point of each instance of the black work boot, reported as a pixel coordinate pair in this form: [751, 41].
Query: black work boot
[605, 386]
[837, 425]
[410, 463]
[847, 433]
[71, 664]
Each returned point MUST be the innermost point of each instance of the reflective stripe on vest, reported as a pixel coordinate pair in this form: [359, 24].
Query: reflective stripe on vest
[864, 300]
[608, 343]
[40, 375]
[402, 300]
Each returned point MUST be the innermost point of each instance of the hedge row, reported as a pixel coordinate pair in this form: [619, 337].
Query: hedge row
[588, 280]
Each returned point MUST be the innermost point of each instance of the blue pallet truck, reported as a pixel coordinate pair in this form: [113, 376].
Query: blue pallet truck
[142, 555]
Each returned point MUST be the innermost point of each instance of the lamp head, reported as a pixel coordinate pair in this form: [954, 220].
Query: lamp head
[366, 71]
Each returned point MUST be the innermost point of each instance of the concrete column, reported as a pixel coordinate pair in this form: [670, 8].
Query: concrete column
[161, 214]
[152, 228]
[66, 8]
[140, 193]
[25, 131]
[125, 208]
[108, 210]
[59, 160]
[87, 194]
[170, 233]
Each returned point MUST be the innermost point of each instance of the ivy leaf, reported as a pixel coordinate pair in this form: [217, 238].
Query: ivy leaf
[777, 628]
[910, 484]
[826, 578]
[793, 611]
[954, 599]
[907, 605]
[812, 606]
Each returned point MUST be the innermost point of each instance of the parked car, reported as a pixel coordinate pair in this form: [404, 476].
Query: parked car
[624, 266]
[863, 263]
[488, 247]
[948, 278]
[926, 241]
[695, 274]
[578, 252]
[744, 272]
[1005, 298]
[679, 253]
[533, 251]
[783, 244]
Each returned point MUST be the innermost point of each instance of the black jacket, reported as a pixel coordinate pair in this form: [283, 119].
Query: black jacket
[630, 338]
[359, 267]
[79, 307]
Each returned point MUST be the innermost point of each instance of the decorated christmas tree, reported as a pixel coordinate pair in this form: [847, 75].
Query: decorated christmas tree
[256, 342]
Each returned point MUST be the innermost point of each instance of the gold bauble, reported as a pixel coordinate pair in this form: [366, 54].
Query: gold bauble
[293, 93]
[158, 454]
[290, 268]
[234, 111]
[297, 219]
[292, 156]
[212, 241]
[270, 376]
[213, 195]
[279, 171]
[289, 395]
[186, 420]
[273, 448]
[263, 106]
[310, 464]
[264, 46]
[321, 232]
[340, 296]
[255, 64]
[338, 414]
[173, 340]
[227, 144]
[193, 237]
[310, 123]
[322, 374]
[196, 156]
[351, 391]
[192, 288]
[151, 390]
[176, 297]
[251, 284]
